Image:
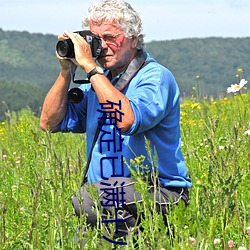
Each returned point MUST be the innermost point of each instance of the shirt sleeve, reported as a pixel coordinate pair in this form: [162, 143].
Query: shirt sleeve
[75, 117]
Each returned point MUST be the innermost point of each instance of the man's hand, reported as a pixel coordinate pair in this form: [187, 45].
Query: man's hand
[83, 54]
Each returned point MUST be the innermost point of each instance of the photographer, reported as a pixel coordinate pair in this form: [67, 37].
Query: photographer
[148, 98]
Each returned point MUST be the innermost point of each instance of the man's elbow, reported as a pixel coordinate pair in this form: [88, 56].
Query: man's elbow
[45, 126]
[126, 125]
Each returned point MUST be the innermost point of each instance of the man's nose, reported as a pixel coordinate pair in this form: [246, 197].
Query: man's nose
[104, 44]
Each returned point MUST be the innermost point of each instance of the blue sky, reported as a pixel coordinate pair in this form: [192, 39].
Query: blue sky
[162, 19]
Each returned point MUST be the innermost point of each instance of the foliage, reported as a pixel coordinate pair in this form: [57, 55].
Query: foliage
[41, 171]
[14, 95]
[208, 62]
[204, 64]
[28, 68]
[28, 58]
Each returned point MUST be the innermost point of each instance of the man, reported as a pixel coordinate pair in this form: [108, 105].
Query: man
[147, 97]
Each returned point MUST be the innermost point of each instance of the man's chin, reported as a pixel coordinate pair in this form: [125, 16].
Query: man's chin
[105, 63]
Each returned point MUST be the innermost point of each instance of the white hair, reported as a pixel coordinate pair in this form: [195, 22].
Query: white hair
[120, 13]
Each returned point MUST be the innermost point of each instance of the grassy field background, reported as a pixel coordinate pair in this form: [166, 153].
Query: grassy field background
[40, 172]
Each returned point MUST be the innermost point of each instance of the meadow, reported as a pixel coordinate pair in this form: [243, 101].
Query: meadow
[40, 172]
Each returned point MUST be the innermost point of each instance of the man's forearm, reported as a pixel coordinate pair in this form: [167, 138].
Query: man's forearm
[55, 103]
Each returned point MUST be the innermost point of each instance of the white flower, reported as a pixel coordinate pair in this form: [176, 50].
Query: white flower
[246, 133]
[242, 248]
[237, 87]
[217, 241]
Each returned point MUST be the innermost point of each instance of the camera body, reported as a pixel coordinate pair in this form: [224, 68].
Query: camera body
[65, 48]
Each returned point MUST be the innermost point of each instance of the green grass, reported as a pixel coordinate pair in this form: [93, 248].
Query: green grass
[40, 172]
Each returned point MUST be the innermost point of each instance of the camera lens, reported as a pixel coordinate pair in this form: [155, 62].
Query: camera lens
[65, 48]
[75, 95]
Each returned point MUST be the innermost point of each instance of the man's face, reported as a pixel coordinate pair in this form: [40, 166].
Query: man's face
[118, 50]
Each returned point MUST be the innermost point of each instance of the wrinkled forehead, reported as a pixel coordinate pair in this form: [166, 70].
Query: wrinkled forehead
[105, 20]
[104, 25]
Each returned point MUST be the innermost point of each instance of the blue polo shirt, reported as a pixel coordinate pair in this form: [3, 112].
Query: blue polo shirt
[154, 97]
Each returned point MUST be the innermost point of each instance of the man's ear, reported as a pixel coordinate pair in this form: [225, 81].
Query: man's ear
[134, 42]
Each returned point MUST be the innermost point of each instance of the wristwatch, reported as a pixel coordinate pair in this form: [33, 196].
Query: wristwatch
[96, 70]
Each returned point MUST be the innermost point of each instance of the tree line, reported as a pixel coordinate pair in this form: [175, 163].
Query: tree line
[202, 67]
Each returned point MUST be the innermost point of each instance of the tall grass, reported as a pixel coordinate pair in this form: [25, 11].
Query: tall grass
[40, 172]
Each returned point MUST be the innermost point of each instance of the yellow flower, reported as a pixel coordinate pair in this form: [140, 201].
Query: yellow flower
[132, 162]
[138, 160]
[240, 70]
[195, 105]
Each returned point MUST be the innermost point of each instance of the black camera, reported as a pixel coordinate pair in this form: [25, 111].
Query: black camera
[65, 48]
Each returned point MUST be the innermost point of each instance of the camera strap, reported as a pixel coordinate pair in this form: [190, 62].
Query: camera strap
[136, 64]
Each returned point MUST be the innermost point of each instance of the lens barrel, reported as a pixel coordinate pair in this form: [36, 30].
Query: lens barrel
[75, 95]
[65, 48]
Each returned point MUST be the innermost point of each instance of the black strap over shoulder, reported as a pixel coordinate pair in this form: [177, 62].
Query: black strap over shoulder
[136, 64]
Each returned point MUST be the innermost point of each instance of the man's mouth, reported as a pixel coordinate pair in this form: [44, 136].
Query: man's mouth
[103, 56]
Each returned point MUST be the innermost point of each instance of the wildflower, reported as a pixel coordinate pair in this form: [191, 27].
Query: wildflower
[242, 248]
[14, 188]
[216, 241]
[195, 106]
[198, 182]
[237, 87]
[230, 244]
[132, 162]
[192, 240]
[240, 70]
[221, 147]
[137, 160]
[248, 230]
[247, 133]
[45, 216]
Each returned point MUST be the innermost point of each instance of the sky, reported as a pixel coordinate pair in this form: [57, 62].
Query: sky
[162, 19]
